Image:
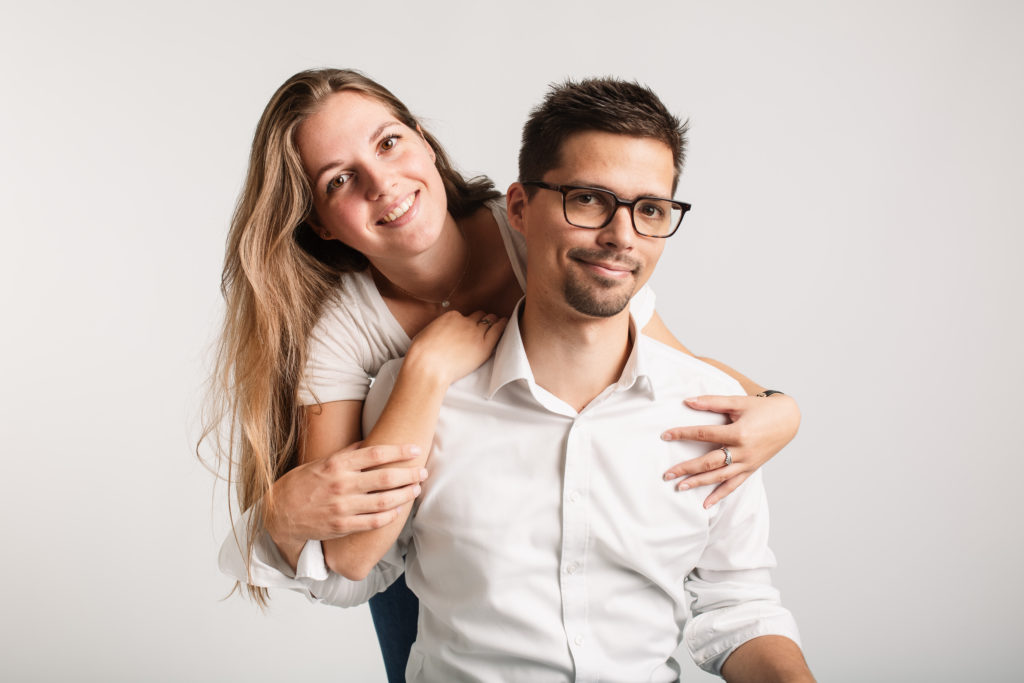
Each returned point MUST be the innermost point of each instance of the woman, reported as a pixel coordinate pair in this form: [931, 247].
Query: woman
[355, 242]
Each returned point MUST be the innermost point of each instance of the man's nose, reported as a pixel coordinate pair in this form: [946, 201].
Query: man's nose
[619, 231]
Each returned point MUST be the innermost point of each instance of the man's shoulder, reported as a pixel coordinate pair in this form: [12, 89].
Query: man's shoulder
[673, 371]
[475, 383]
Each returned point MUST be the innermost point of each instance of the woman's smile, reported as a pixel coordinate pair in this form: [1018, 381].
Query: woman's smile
[396, 212]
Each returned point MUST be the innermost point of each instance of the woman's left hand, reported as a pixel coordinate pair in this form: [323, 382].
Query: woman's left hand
[760, 428]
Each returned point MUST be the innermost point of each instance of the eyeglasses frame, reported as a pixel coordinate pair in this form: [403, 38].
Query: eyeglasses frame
[565, 189]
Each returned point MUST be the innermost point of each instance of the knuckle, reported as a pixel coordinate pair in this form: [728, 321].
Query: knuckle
[336, 512]
[383, 519]
[391, 478]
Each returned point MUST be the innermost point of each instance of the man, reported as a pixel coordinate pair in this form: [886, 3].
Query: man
[544, 546]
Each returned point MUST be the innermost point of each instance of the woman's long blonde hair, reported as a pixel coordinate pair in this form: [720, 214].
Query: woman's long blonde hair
[277, 276]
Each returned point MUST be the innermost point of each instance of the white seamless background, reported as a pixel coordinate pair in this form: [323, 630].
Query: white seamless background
[855, 172]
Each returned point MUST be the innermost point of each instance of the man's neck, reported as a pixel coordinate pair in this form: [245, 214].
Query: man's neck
[574, 356]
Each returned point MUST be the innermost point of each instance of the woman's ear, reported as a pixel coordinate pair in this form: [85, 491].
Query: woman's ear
[433, 154]
[318, 229]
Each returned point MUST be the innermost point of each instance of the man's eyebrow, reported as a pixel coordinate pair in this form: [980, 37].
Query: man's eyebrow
[334, 163]
[599, 186]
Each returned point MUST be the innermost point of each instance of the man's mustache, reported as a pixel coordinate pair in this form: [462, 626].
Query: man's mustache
[603, 256]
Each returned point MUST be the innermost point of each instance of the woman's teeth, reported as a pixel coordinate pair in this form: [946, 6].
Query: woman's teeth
[399, 210]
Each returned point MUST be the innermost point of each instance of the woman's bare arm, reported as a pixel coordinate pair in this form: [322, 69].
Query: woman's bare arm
[336, 490]
[656, 329]
[346, 486]
[447, 349]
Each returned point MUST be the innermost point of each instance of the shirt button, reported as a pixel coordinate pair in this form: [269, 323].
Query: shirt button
[571, 569]
[574, 497]
[578, 640]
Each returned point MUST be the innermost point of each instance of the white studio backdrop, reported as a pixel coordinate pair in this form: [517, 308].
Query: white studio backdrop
[854, 170]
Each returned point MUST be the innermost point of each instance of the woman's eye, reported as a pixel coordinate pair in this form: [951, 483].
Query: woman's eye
[388, 143]
[337, 181]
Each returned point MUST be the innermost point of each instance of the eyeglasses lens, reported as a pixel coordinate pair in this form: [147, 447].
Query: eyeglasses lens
[588, 208]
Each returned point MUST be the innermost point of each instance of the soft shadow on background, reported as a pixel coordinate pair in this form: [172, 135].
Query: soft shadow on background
[855, 238]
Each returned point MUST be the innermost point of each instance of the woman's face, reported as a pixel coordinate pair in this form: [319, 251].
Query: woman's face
[375, 185]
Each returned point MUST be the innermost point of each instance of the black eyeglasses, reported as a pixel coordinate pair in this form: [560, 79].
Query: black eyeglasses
[593, 208]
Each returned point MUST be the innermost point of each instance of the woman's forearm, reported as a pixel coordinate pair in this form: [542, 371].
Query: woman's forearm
[450, 347]
[750, 386]
[408, 418]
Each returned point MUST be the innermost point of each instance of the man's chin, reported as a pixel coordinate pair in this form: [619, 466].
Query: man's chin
[596, 303]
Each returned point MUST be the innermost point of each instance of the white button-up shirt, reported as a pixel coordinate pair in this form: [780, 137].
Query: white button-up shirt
[546, 546]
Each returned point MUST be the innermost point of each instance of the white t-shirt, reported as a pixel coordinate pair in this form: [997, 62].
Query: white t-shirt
[357, 333]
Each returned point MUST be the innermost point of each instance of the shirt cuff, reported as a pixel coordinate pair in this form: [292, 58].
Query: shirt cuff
[311, 564]
[266, 567]
[711, 644]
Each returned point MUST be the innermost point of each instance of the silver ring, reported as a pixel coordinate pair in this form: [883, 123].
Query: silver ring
[728, 456]
[485, 321]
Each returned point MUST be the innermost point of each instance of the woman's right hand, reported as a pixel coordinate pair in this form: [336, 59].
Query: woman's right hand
[454, 345]
[340, 494]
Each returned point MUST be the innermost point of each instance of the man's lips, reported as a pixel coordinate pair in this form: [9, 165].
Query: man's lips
[607, 265]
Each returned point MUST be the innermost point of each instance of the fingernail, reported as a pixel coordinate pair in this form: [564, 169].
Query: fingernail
[682, 487]
[423, 474]
[666, 437]
[669, 476]
[416, 490]
[692, 402]
[414, 449]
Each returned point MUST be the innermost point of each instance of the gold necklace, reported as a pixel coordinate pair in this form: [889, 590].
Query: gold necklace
[447, 301]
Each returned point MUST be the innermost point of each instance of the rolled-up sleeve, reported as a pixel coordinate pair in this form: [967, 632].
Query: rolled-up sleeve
[733, 599]
[268, 569]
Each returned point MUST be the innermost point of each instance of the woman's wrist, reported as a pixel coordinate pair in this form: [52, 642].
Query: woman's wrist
[288, 546]
[426, 372]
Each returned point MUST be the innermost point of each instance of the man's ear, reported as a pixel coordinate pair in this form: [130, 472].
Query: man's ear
[515, 202]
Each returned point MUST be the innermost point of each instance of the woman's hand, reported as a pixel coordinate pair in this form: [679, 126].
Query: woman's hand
[454, 345]
[339, 495]
[760, 428]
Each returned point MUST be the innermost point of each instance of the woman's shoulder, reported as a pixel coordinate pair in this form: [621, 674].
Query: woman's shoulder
[355, 309]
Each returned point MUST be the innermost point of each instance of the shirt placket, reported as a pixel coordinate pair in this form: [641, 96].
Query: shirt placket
[572, 563]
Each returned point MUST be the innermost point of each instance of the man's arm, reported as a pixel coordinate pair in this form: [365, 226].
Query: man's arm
[737, 614]
[767, 659]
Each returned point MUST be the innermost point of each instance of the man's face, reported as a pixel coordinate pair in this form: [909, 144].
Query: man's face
[594, 271]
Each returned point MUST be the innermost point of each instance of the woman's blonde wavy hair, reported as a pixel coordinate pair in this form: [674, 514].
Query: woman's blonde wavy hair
[277, 276]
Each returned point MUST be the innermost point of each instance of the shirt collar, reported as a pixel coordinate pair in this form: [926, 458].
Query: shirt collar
[511, 364]
[510, 361]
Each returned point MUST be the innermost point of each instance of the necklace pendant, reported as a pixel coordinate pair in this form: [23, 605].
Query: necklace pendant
[446, 303]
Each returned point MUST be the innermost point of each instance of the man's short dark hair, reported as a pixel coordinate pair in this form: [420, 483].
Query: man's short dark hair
[608, 105]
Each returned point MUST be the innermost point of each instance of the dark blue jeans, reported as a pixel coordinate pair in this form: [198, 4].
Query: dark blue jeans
[395, 612]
